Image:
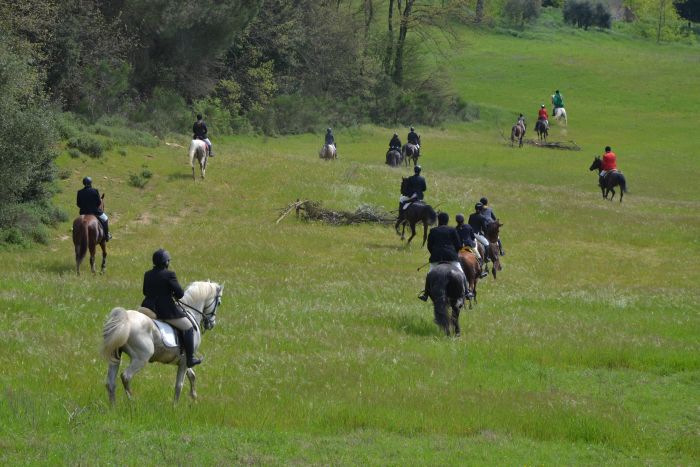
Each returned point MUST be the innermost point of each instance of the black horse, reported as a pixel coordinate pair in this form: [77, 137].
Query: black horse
[610, 180]
[542, 130]
[394, 157]
[417, 212]
[446, 285]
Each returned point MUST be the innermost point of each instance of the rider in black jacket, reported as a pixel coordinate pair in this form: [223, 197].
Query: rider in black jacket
[160, 285]
[89, 202]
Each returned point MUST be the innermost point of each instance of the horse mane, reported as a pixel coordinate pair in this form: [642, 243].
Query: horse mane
[199, 291]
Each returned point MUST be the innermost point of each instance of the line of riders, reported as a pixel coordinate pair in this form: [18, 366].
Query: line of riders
[394, 143]
[542, 115]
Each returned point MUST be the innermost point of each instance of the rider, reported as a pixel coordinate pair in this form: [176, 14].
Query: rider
[413, 137]
[414, 188]
[521, 121]
[200, 132]
[466, 235]
[608, 164]
[89, 202]
[330, 139]
[557, 102]
[395, 143]
[479, 223]
[159, 287]
[487, 212]
[444, 245]
[542, 115]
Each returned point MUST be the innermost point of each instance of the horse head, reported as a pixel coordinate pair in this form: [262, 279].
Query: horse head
[596, 164]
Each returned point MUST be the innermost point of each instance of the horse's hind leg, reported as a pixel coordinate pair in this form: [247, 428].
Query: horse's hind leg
[455, 319]
[425, 232]
[192, 378]
[413, 233]
[111, 383]
[104, 257]
[92, 257]
[137, 363]
[180, 379]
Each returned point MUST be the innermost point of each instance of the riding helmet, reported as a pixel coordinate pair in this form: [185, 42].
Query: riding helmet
[478, 206]
[87, 181]
[161, 258]
[484, 201]
[412, 129]
[328, 130]
[542, 106]
[417, 169]
[459, 218]
[443, 218]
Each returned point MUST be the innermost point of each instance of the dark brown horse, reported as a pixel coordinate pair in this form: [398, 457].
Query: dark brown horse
[410, 152]
[542, 130]
[610, 180]
[493, 252]
[394, 157]
[413, 214]
[446, 285]
[87, 234]
[470, 266]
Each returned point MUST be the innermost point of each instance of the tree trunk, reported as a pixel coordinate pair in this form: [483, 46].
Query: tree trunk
[479, 11]
[390, 40]
[403, 30]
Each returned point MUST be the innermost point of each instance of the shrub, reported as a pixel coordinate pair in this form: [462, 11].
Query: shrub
[146, 174]
[583, 14]
[64, 174]
[519, 12]
[88, 145]
[137, 181]
[74, 153]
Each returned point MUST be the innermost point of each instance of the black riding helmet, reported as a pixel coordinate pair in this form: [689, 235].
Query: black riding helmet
[443, 218]
[161, 258]
[478, 206]
[459, 218]
[484, 201]
[417, 169]
[87, 181]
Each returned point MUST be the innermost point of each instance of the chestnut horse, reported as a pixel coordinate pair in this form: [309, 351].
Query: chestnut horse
[493, 252]
[517, 133]
[470, 266]
[87, 234]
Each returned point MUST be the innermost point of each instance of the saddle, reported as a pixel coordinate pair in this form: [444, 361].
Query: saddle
[168, 334]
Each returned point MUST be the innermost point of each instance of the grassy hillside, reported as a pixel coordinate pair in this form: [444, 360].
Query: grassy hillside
[585, 351]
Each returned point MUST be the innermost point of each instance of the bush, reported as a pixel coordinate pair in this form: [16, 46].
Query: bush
[519, 12]
[73, 153]
[87, 145]
[165, 112]
[583, 14]
[137, 181]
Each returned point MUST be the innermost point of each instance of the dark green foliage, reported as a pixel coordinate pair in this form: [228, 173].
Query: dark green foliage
[137, 180]
[518, 12]
[87, 144]
[74, 153]
[27, 139]
[584, 14]
[689, 10]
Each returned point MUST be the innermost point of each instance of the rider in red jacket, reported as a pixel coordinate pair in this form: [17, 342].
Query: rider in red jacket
[542, 115]
[608, 164]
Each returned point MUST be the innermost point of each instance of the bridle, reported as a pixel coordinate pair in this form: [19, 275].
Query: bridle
[207, 317]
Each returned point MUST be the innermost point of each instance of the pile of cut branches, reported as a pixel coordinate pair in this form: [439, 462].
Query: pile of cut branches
[313, 211]
[569, 145]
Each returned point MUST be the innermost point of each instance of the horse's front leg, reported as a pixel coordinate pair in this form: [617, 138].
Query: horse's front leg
[413, 232]
[612, 190]
[180, 378]
[192, 378]
[425, 232]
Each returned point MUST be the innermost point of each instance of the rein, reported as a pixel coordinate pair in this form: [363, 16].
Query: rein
[215, 302]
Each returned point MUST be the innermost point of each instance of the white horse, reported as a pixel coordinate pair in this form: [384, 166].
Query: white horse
[137, 335]
[328, 152]
[559, 114]
[198, 148]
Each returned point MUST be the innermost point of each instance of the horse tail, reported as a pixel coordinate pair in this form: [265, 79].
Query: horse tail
[623, 183]
[81, 238]
[115, 333]
[193, 151]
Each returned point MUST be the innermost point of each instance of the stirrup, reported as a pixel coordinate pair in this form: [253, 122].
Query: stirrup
[194, 362]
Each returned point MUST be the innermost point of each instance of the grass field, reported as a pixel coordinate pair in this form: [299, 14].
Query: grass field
[585, 351]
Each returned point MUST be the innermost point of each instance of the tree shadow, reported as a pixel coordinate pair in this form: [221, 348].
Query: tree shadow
[62, 267]
[384, 246]
[179, 176]
[415, 326]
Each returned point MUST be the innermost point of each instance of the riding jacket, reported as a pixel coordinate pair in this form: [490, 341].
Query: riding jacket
[160, 285]
[413, 138]
[542, 114]
[478, 222]
[557, 101]
[466, 235]
[395, 143]
[88, 200]
[199, 129]
[416, 184]
[609, 161]
[487, 212]
[444, 244]
[330, 139]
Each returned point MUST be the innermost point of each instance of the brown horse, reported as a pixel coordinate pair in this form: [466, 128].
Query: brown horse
[394, 157]
[415, 213]
[410, 152]
[470, 266]
[493, 252]
[87, 234]
[517, 133]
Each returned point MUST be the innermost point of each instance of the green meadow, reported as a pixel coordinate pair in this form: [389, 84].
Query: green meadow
[586, 350]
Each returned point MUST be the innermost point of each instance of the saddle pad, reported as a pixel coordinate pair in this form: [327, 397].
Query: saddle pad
[167, 333]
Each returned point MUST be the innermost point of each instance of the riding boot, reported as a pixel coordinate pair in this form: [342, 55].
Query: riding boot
[500, 248]
[105, 227]
[425, 293]
[188, 341]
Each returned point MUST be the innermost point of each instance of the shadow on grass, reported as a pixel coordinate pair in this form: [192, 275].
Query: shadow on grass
[62, 267]
[415, 326]
[385, 246]
[179, 176]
